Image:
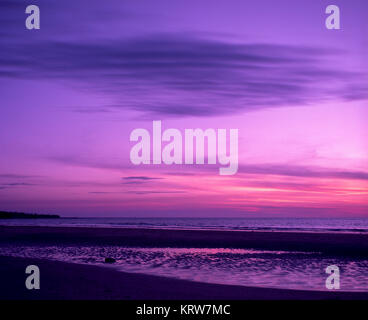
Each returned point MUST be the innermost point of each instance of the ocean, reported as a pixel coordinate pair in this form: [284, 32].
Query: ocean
[261, 224]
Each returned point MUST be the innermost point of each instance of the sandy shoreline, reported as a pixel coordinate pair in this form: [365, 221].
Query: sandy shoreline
[67, 281]
[344, 244]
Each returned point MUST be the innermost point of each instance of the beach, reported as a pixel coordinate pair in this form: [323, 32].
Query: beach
[68, 281]
[77, 281]
[344, 244]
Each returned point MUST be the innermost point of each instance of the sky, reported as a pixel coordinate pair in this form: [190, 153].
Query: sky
[73, 91]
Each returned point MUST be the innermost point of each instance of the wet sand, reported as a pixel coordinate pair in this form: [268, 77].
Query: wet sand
[348, 244]
[61, 280]
[67, 281]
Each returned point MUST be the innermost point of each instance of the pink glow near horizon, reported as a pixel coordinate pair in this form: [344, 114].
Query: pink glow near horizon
[65, 141]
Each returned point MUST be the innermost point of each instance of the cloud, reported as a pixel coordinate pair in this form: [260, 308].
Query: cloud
[102, 192]
[302, 171]
[139, 179]
[154, 192]
[137, 192]
[15, 184]
[76, 160]
[261, 169]
[177, 75]
[91, 110]
[144, 178]
[15, 176]
[15, 180]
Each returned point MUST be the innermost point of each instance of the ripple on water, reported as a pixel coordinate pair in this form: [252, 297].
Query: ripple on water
[278, 269]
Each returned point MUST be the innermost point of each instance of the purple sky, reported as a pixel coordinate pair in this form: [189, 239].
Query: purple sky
[72, 92]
